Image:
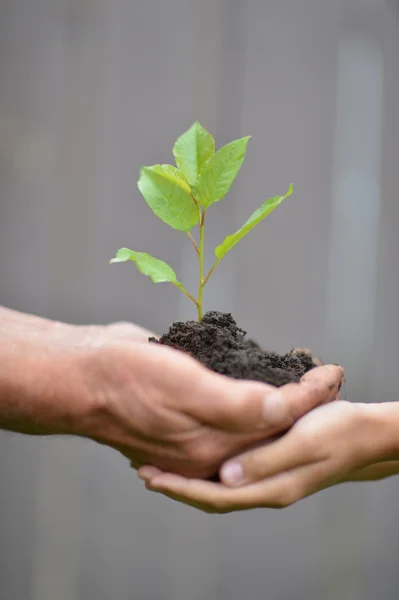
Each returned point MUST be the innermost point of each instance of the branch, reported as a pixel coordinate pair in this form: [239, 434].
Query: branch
[211, 271]
[194, 243]
[179, 285]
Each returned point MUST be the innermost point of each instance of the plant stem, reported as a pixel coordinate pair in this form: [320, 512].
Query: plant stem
[186, 293]
[211, 271]
[194, 243]
[201, 266]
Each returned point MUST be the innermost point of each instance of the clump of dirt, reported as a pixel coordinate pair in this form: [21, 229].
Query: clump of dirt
[219, 344]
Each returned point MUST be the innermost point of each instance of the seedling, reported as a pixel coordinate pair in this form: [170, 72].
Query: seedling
[182, 195]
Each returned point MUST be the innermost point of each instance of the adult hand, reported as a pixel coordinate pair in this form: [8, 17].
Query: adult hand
[161, 407]
[328, 445]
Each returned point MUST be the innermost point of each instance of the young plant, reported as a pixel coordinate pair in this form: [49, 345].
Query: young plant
[182, 195]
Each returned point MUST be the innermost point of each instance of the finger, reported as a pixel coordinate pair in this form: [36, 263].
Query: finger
[270, 459]
[277, 492]
[246, 406]
[317, 387]
[188, 491]
[182, 499]
[230, 404]
[147, 472]
[287, 452]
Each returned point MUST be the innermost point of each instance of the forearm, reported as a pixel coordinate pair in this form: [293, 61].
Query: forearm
[36, 392]
[382, 440]
[48, 336]
[23, 387]
[384, 431]
[386, 419]
[375, 472]
[16, 326]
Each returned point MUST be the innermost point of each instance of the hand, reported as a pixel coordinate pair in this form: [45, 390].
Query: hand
[324, 447]
[154, 404]
[161, 407]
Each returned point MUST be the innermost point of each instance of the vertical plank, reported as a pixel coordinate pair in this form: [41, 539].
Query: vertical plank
[352, 273]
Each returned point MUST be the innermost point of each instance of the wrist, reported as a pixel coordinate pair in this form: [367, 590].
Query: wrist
[104, 379]
[381, 434]
[15, 325]
[117, 378]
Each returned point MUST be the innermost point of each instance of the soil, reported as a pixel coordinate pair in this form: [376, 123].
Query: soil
[222, 346]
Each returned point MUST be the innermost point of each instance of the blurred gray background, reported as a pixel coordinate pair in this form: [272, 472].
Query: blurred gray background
[89, 91]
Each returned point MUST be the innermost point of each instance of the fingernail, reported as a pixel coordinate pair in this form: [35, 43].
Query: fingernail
[232, 473]
[274, 409]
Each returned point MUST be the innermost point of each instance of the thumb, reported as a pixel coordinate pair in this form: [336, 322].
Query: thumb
[248, 406]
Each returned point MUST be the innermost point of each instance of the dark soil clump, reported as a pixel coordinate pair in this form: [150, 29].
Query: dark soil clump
[221, 346]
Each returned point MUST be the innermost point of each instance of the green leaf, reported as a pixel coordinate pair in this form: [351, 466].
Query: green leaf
[166, 192]
[192, 150]
[220, 171]
[258, 216]
[157, 269]
[172, 174]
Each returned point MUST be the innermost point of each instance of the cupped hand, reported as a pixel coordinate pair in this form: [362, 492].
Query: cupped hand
[323, 448]
[152, 403]
[161, 407]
